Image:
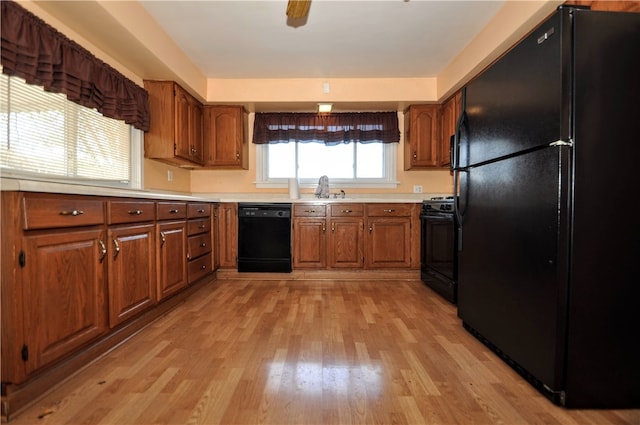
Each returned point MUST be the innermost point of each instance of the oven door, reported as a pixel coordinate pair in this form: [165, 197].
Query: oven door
[439, 254]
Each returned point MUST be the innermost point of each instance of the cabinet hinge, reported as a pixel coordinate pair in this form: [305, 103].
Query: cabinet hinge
[22, 258]
[25, 352]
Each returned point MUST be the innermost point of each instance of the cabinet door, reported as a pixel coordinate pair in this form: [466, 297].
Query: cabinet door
[228, 235]
[309, 243]
[64, 293]
[224, 137]
[195, 132]
[449, 118]
[172, 258]
[182, 142]
[346, 241]
[132, 282]
[421, 136]
[389, 242]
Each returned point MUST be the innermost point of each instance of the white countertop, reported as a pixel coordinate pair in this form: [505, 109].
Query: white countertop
[11, 184]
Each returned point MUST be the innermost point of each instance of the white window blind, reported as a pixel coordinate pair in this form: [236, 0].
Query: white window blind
[47, 135]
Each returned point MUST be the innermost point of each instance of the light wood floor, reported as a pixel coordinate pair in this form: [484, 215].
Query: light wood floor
[305, 352]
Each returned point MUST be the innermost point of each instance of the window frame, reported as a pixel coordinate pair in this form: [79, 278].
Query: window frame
[136, 164]
[388, 181]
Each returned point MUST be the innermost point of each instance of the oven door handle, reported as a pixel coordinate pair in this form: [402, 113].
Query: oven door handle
[448, 217]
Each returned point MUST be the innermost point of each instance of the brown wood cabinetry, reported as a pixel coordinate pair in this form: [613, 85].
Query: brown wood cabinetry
[355, 236]
[131, 271]
[171, 258]
[328, 235]
[228, 234]
[175, 133]
[200, 240]
[53, 279]
[388, 235]
[421, 136]
[79, 275]
[449, 118]
[309, 236]
[225, 141]
[346, 236]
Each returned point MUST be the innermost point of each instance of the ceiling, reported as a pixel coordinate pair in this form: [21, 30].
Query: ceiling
[339, 39]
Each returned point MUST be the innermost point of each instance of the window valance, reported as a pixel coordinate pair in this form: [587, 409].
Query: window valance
[35, 51]
[331, 129]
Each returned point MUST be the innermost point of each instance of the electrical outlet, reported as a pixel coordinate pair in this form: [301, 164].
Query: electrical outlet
[169, 175]
[417, 188]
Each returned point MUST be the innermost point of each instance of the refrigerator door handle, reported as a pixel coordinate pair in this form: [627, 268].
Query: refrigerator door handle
[568, 142]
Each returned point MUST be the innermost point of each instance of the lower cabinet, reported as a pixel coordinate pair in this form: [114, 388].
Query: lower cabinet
[388, 236]
[172, 252]
[131, 271]
[80, 273]
[227, 231]
[346, 240]
[64, 296]
[355, 236]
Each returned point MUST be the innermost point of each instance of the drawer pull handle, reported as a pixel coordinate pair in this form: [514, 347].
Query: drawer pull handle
[347, 211]
[134, 212]
[389, 211]
[103, 250]
[201, 211]
[173, 211]
[163, 239]
[309, 211]
[116, 246]
[73, 213]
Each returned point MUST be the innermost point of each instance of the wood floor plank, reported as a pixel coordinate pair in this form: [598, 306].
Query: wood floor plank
[305, 352]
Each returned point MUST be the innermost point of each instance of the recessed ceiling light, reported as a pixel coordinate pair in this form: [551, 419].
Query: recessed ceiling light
[325, 107]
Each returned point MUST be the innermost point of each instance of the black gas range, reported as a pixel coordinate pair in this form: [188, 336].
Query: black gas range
[438, 246]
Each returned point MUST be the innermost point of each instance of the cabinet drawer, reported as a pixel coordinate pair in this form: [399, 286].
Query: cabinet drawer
[198, 245]
[198, 210]
[347, 210]
[171, 210]
[389, 210]
[130, 211]
[309, 210]
[41, 212]
[198, 226]
[199, 267]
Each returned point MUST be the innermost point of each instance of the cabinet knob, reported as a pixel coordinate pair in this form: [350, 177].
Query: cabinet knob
[116, 247]
[202, 245]
[415, 155]
[103, 249]
[163, 238]
[237, 155]
[73, 213]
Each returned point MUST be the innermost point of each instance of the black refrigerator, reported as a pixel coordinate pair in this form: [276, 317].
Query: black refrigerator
[546, 162]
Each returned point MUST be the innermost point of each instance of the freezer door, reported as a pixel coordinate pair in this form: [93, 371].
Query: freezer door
[523, 93]
[512, 267]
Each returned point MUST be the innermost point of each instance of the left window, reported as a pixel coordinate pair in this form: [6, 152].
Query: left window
[45, 136]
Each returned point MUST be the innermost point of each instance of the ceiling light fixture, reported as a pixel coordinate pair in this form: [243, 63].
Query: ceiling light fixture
[297, 9]
[325, 107]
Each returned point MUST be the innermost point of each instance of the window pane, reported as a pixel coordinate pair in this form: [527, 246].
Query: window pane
[317, 159]
[370, 160]
[44, 133]
[282, 160]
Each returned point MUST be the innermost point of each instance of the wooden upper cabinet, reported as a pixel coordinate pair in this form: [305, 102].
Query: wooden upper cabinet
[175, 132]
[225, 145]
[450, 112]
[421, 136]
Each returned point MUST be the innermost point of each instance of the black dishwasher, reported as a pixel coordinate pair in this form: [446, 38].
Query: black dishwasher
[264, 237]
